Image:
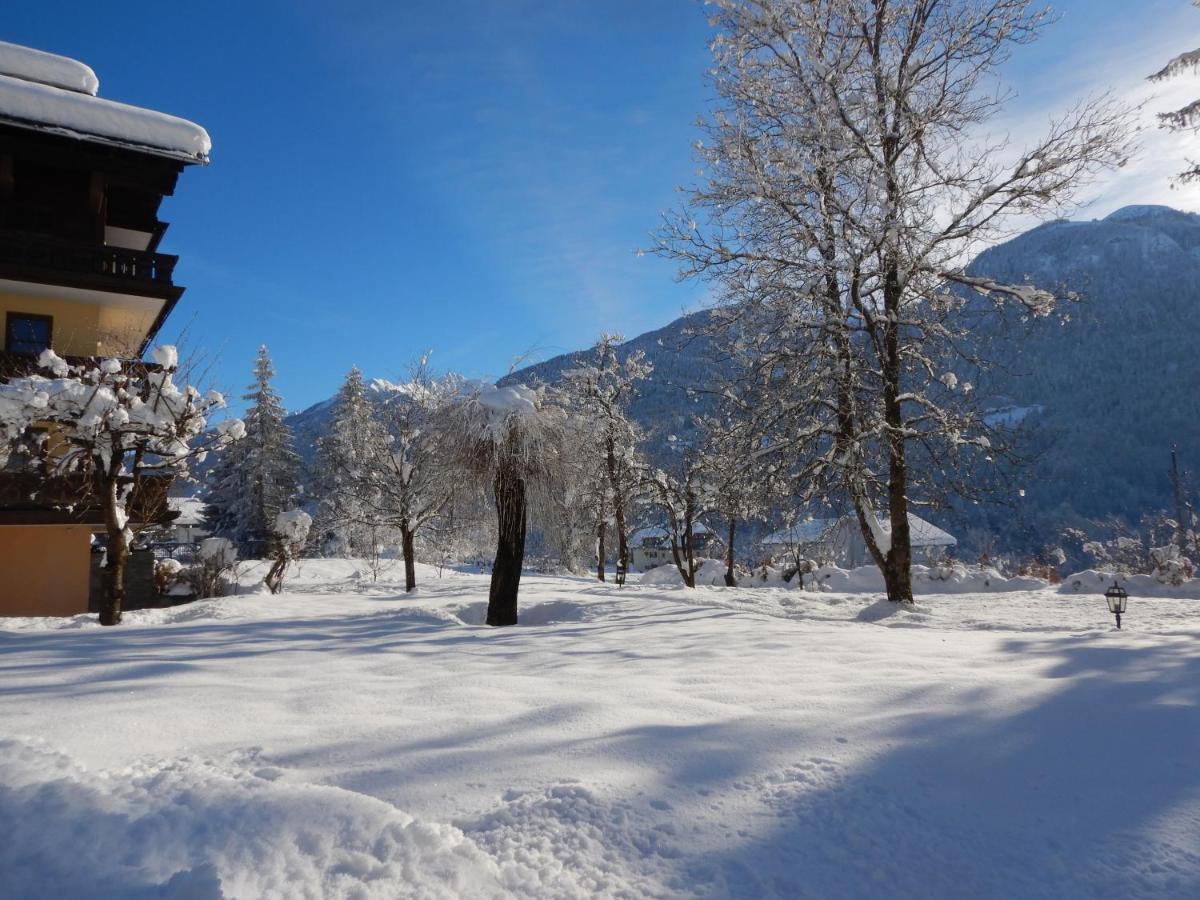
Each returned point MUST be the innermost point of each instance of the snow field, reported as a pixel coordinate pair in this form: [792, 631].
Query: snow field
[342, 739]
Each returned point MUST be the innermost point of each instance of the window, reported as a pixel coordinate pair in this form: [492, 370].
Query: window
[27, 333]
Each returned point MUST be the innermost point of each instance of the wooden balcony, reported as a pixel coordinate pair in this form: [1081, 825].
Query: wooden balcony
[47, 260]
[29, 497]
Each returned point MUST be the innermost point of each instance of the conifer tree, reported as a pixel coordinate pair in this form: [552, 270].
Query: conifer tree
[256, 479]
[345, 457]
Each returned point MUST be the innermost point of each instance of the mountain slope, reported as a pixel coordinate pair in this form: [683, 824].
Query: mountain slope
[1107, 392]
[1118, 383]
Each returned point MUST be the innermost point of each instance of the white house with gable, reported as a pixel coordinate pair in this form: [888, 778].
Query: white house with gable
[840, 540]
[650, 547]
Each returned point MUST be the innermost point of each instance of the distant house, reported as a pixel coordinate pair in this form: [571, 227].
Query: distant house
[650, 547]
[189, 527]
[840, 540]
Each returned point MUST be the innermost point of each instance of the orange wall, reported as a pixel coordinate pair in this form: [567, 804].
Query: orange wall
[44, 569]
[86, 329]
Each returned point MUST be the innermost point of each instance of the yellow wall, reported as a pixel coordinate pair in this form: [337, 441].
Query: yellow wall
[44, 569]
[87, 329]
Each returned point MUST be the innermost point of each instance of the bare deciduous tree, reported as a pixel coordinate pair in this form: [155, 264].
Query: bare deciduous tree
[600, 390]
[848, 176]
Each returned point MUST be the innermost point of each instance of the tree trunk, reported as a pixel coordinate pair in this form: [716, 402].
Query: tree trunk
[681, 550]
[730, 581]
[601, 552]
[618, 495]
[116, 556]
[274, 579]
[410, 557]
[510, 548]
[897, 563]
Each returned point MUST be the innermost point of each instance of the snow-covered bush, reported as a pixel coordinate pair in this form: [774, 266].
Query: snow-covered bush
[1170, 565]
[115, 425]
[290, 533]
[215, 568]
[167, 573]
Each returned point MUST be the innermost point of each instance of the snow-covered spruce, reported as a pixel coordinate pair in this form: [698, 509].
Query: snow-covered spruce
[255, 479]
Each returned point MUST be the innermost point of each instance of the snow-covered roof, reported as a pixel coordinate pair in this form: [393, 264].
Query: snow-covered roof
[813, 531]
[50, 93]
[191, 510]
[924, 534]
[47, 68]
[810, 532]
[659, 533]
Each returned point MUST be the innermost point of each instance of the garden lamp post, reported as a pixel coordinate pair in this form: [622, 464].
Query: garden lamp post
[1117, 599]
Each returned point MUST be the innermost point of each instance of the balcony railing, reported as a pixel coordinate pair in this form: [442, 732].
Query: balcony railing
[31, 494]
[17, 365]
[35, 255]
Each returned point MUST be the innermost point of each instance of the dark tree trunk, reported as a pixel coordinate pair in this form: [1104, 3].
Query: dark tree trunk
[618, 496]
[510, 548]
[622, 544]
[897, 562]
[407, 540]
[601, 552]
[274, 579]
[682, 554]
[730, 581]
[116, 556]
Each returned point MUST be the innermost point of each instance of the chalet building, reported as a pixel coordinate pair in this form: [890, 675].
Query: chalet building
[651, 547]
[81, 182]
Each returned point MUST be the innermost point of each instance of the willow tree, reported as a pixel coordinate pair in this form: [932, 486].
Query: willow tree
[849, 173]
[510, 440]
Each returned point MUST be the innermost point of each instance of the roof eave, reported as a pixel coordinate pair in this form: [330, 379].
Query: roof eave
[167, 153]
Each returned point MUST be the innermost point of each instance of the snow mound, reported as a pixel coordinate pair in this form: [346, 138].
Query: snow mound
[564, 841]
[661, 576]
[205, 829]
[709, 573]
[1093, 581]
[551, 612]
[902, 613]
[954, 578]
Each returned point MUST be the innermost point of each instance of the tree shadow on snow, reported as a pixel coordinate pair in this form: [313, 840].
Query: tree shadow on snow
[1092, 792]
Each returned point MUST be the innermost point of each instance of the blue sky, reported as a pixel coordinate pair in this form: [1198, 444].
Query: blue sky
[471, 177]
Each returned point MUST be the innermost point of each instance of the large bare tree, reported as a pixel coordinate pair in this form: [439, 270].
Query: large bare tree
[849, 173]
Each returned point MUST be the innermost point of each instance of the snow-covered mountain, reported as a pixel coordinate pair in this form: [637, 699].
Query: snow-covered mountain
[1110, 390]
